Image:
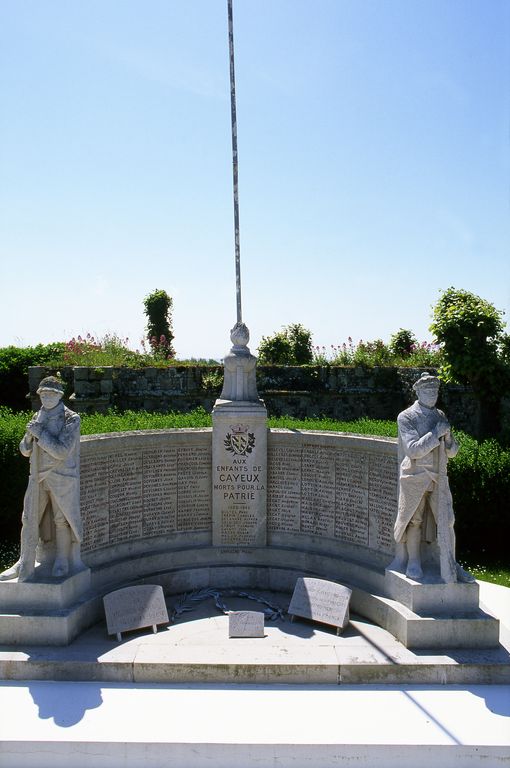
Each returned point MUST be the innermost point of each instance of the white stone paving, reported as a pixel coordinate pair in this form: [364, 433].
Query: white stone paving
[43, 721]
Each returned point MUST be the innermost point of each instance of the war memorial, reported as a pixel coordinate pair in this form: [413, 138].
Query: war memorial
[260, 558]
[242, 595]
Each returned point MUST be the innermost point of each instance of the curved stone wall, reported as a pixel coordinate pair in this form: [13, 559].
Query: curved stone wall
[150, 492]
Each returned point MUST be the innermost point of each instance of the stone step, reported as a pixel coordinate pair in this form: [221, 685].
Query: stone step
[76, 725]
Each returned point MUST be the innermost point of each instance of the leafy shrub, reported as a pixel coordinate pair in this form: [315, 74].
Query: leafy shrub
[212, 380]
[108, 350]
[14, 364]
[480, 483]
[402, 343]
[475, 347]
[13, 469]
[290, 346]
[158, 308]
[376, 353]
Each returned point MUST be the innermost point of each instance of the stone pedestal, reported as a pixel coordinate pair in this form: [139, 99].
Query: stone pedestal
[239, 473]
[51, 612]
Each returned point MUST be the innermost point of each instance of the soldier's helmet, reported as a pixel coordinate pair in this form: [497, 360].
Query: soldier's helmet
[50, 384]
[426, 380]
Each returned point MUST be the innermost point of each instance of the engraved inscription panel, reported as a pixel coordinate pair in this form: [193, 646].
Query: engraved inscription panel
[159, 491]
[194, 511]
[284, 489]
[351, 498]
[134, 493]
[349, 494]
[125, 495]
[237, 525]
[94, 502]
[318, 490]
[246, 624]
[239, 476]
[382, 501]
[135, 607]
[321, 600]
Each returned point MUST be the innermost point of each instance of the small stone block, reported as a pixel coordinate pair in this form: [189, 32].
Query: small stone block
[134, 608]
[321, 600]
[246, 624]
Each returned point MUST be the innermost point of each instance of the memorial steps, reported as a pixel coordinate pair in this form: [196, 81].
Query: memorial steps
[77, 601]
[195, 647]
[118, 716]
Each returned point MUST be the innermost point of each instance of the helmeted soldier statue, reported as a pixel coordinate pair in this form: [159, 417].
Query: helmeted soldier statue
[51, 523]
[425, 509]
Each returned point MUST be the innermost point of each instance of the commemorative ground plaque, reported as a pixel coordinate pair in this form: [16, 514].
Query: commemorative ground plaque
[246, 624]
[134, 608]
[321, 600]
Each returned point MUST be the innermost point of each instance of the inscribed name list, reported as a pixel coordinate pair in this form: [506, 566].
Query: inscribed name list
[133, 494]
[335, 492]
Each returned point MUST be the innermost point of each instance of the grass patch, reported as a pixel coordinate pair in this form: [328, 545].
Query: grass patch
[127, 421]
[9, 553]
[495, 574]
[375, 427]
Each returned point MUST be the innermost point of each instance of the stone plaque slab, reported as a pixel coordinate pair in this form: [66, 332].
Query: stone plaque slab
[239, 475]
[134, 608]
[246, 624]
[322, 601]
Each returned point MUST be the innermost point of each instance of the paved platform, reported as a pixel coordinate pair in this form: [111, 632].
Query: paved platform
[196, 648]
[106, 721]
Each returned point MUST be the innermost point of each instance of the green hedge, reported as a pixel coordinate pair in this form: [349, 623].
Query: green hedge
[479, 474]
[14, 364]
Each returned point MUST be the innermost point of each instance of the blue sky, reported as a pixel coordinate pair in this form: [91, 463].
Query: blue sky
[374, 151]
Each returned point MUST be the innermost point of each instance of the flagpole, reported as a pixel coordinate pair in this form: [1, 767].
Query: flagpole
[233, 115]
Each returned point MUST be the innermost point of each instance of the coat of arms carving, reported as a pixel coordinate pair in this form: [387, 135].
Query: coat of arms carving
[239, 441]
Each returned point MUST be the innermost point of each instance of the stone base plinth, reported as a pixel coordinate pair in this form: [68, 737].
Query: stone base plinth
[432, 599]
[51, 612]
[43, 595]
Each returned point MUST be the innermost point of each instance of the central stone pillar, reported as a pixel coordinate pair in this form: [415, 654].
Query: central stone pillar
[239, 452]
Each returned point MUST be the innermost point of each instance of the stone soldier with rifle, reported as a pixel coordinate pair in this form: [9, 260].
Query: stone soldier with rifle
[425, 509]
[51, 524]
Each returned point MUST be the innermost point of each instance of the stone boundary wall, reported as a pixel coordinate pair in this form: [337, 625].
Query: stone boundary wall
[340, 393]
[145, 492]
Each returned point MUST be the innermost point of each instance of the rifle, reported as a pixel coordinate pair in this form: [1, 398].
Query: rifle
[447, 562]
[30, 528]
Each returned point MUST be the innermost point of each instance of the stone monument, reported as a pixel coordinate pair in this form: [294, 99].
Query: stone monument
[239, 451]
[51, 523]
[425, 509]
